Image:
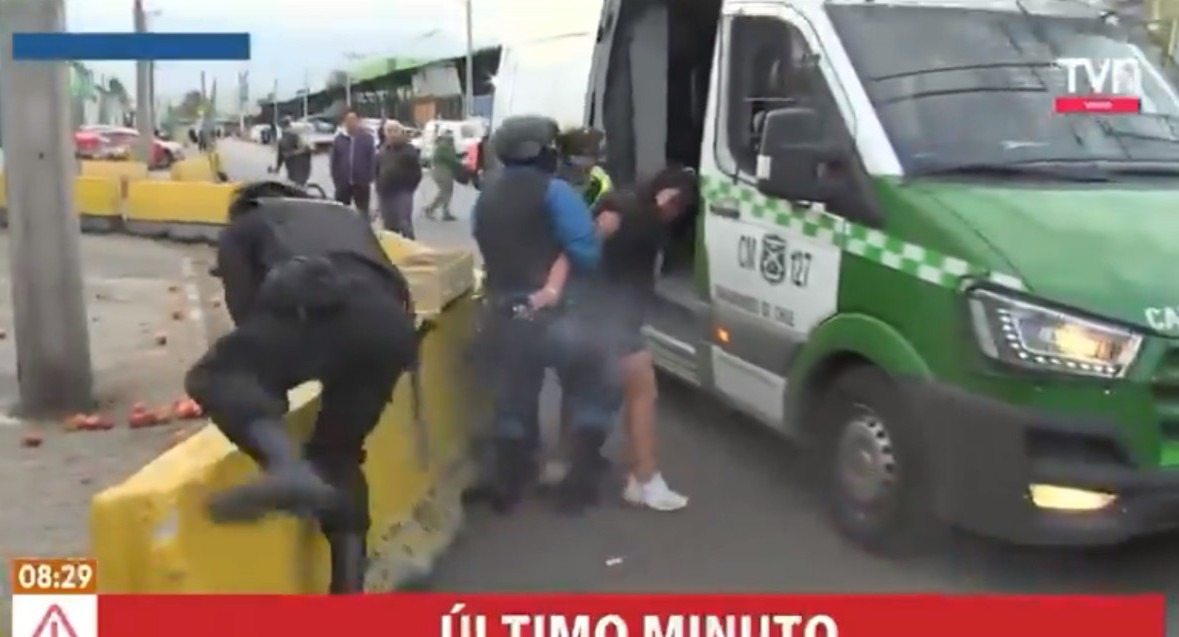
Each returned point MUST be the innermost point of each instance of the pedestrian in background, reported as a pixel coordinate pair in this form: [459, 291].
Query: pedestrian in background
[353, 164]
[295, 153]
[444, 165]
[399, 171]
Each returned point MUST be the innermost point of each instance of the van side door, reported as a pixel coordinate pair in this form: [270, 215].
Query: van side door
[773, 266]
[596, 91]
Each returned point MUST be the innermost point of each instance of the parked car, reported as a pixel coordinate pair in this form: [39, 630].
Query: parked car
[261, 133]
[319, 133]
[120, 139]
[88, 144]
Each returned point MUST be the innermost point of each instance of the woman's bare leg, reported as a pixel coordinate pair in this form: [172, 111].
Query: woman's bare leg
[638, 413]
[645, 485]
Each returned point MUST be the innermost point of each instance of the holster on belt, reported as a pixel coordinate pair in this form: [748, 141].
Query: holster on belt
[502, 321]
[304, 285]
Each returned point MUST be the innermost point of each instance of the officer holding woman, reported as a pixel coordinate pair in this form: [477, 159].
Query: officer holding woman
[615, 301]
[524, 220]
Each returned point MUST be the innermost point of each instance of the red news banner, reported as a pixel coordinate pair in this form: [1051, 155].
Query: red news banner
[452, 615]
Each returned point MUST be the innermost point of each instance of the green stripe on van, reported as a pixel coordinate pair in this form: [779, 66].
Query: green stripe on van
[876, 246]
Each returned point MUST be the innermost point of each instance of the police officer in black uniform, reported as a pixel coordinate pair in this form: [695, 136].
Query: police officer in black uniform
[313, 296]
[523, 220]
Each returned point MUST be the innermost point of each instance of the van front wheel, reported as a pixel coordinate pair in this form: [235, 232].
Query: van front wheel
[877, 484]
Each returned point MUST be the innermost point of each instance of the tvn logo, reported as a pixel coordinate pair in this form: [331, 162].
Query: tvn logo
[1110, 86]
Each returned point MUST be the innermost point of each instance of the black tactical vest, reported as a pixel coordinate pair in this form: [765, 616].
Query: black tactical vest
[310, 229]
[514, 231]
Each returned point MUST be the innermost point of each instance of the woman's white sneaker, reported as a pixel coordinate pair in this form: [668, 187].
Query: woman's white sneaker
[553, 472]
[653, 494]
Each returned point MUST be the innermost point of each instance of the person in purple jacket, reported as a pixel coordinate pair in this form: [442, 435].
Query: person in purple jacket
[353, 160]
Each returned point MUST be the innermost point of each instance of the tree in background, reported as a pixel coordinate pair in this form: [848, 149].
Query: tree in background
[191, 106]
[337, 79]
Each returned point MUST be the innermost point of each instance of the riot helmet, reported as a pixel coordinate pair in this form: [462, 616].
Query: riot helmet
[524, 139]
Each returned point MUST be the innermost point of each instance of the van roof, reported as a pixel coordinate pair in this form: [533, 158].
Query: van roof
[1037, 7]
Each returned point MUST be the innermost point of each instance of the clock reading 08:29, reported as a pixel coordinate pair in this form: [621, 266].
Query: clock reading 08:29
[53, 576]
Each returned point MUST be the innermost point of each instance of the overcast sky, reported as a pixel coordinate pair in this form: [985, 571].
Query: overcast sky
[293, 38]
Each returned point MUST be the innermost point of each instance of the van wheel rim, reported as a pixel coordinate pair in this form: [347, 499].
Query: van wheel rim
[865, 462]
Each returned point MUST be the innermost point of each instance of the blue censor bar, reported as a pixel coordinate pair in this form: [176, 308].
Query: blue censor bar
[130, 46]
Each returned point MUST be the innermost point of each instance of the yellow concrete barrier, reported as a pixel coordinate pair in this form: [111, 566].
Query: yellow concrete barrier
[118, 170]
[180, 210]
[98, 200]
[151, 533]
[203, 167]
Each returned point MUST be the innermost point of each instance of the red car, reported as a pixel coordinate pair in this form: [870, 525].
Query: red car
[91, 145]
[119, 140]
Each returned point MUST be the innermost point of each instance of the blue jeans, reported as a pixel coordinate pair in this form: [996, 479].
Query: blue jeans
[590, 384]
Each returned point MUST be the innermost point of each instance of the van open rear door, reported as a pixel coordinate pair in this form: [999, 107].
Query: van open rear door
[605, 43]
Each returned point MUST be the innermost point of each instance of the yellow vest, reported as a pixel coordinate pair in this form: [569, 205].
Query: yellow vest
[599, 184]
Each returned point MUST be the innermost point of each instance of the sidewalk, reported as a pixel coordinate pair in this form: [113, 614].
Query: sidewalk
[146, 327]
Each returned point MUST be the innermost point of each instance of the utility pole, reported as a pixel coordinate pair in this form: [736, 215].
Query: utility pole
[469, 96]
[274, 109]
[352, 58]
[52, 331]
[144, 118]
[306, 95]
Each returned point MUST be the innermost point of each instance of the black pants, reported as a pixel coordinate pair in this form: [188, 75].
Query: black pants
[349, 194]
[357, 353]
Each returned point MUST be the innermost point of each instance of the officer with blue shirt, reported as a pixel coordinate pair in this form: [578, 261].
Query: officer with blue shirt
[523, 220]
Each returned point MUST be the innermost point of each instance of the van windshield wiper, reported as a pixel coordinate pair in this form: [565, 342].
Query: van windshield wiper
[1123, 134]
[1146, 170]
[1029, 64]
[1086, 173]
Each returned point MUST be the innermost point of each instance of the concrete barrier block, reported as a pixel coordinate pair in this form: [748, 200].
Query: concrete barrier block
[118, 170]
[198, 168]
[152, 536]
[184, 211]
[98, 201]
[153, 531]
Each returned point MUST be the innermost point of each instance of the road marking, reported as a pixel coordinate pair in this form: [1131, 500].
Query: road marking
[196, 311]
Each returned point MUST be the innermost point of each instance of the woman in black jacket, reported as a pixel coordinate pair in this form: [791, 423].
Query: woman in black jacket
[613, 307]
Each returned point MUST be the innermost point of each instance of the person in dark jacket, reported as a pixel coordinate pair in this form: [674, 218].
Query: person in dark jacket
[353, 164]
[313, 296]
[523, 220]
[293, 152]
[399, 171]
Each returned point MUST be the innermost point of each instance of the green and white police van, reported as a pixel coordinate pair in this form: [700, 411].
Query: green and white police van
[964, 304]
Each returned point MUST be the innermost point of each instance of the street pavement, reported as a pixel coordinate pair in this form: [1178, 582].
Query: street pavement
[754, 523]
[145, 331]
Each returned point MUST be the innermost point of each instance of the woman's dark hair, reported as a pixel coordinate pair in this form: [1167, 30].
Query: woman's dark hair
[671, 176]
[246, 197]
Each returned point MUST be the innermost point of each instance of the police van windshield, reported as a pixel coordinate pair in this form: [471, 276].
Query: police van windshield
[960, 86]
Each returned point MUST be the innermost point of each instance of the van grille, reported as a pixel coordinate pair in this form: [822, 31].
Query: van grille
[1166, 394]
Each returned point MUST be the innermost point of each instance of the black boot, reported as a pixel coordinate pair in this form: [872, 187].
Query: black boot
[514, 464]
[288, 483]
[349, 561]
[580, 488]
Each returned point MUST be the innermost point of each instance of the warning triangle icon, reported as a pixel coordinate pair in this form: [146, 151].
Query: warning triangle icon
[54, 624]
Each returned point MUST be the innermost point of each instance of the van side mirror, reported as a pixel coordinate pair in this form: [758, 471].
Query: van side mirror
[796, 155]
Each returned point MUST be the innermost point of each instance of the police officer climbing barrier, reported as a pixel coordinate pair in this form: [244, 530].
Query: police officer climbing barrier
[524, 219]
[313, 296]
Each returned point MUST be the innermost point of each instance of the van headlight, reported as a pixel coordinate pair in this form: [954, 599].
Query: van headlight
[1021, 333]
